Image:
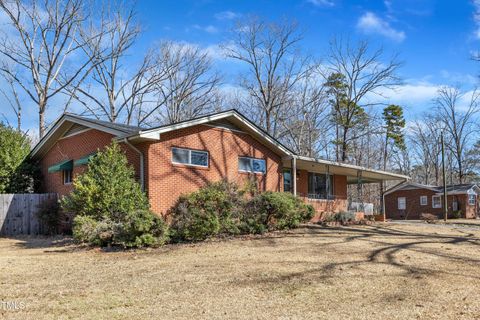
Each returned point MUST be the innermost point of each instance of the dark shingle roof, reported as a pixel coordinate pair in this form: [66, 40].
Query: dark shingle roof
[458, 187]
[128, 129]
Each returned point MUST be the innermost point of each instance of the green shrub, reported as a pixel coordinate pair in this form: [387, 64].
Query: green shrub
[110, 207]
[274, 211]
[107, 190]
[344, 217]
[210, 211]
[139, 229]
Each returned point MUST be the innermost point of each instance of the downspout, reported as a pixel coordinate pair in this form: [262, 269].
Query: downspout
[140, 153]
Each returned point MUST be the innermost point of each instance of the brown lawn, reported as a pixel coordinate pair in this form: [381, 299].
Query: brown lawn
[385, 271]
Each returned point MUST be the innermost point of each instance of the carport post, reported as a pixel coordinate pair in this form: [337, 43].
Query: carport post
[383, 204]
[294, 175]
[444, 173]
[360, 188]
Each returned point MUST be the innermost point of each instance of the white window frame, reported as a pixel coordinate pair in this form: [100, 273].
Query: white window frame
[433, 202]
[471, 203]
[423, 200]
[251, 160]
[404, 203]
[64, 175]
[190, 157]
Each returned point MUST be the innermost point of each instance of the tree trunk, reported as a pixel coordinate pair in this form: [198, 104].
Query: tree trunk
[19, 118]
[42, 104]
[344, 145]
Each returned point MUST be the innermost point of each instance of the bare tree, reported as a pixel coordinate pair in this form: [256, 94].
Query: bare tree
[357, 74]
[12, 97]
[189, 87]
[275, 67]
[46, 38]
[458, 123]
[114, 91]
[426, 148]
[306, 127]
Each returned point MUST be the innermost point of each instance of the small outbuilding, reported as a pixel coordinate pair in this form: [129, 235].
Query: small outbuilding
[409, 200]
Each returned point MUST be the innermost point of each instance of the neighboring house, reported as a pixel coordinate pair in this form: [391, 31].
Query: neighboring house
[175, 159]
[409, 200]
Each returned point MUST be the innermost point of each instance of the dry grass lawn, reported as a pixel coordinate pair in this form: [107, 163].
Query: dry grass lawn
[384, 271]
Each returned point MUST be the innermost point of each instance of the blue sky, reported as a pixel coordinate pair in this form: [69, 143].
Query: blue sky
[434, 38]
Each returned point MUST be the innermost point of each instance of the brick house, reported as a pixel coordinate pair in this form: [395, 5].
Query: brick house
[409, 200]
[171, 160]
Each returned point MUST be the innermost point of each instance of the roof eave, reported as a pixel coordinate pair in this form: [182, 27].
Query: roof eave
[391, 175]
[73, 119]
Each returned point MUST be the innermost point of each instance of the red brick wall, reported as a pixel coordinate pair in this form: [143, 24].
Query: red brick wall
[414, 209]
[166, 181]
[323, 207]
[74, 148]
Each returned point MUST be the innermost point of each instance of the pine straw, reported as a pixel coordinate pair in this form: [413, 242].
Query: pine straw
[384, 271]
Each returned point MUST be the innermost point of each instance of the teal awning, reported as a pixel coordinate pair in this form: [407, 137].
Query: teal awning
[64, 165]
[84, 160]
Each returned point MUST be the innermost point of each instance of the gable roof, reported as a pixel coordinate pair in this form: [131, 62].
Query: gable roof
[229, 120]
[460, 188]
[67, 120]
[237, 119]
[451, 189]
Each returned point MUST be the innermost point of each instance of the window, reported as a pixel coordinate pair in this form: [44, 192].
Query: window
[423, 200]
[471, 199]
[455, 205]
[402, 203]
[320, 186]
[190, 157]
[436, 201]
[67, 176]
[254, 165]
[287, 180]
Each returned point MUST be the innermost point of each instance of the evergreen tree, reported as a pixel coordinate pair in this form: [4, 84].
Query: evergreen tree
[16, 174]
[346, 114]
[107, 190]
[394, 125]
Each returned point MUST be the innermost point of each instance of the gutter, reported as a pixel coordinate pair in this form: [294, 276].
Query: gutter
[142, 170]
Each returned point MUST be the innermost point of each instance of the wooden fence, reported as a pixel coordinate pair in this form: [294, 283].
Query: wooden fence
[18, 213]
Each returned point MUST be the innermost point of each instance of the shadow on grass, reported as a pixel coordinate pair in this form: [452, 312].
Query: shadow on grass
[384, 247]
[58, 243]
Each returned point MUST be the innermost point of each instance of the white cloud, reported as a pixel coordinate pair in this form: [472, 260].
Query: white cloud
[322, 3]
[208, 29]
[370, 23]
[227, 15]
[476, 17]
[459, 78]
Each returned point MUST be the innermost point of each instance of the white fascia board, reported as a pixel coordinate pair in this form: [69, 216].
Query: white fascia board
[354, 167]
[413, 184]
[47, 137]
[64, 118]
[154, 134]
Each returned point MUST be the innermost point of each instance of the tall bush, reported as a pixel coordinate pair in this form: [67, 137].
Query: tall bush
[107, 190]
[110, 207]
